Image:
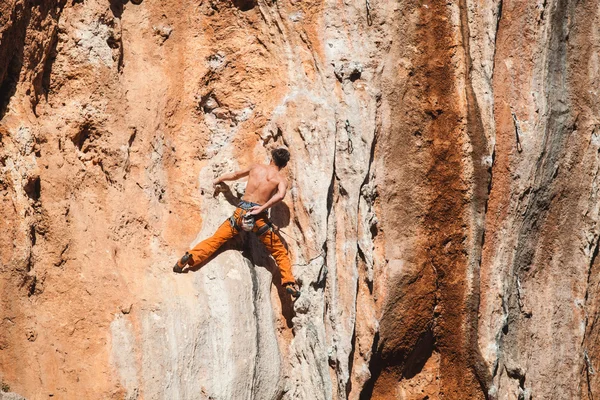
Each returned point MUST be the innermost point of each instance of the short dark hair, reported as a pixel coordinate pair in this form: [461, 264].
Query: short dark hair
[280, 157]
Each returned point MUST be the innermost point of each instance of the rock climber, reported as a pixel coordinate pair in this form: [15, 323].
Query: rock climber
[266, 187]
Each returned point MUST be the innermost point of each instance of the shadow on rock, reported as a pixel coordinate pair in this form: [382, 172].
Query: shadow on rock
[244, 5]
[280, 215]
[227, 193]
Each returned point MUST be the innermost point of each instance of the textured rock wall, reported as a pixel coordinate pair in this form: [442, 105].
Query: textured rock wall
[442, 215]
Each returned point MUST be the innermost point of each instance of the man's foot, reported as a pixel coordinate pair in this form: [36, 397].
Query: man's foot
[183, 261]
[293, 289]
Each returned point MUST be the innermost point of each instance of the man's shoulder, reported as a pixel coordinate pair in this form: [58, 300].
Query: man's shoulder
[281, 177]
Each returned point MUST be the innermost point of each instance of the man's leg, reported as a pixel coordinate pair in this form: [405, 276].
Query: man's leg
[275, 246]
[207, 247]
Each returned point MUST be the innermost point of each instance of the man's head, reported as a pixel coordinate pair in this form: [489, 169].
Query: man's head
[280, 157]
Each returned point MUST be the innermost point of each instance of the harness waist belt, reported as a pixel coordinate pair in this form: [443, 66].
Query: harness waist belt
[247, 205]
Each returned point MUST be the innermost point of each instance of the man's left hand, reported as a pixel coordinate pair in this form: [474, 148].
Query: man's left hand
[255, 210]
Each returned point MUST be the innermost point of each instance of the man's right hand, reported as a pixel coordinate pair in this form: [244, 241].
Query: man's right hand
[255, 210]
[216, 183]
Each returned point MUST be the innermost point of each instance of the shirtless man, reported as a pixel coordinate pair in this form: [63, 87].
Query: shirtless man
[266, 187]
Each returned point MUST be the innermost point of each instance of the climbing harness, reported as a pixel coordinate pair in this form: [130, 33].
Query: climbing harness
[263, 229]
[248, 222]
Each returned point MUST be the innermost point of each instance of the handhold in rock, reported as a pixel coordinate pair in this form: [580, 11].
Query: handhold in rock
[137, 2]
[216, 61]
[350, 71]
[163, 31]
[126, 309]
[31, 335]
[221, 113]
[244, 5]
[33, 187]
[209, 104]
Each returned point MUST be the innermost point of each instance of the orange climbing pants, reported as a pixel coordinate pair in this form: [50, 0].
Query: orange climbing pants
[226, 231]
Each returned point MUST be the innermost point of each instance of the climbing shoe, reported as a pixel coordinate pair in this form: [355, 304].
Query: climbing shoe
[183, 261]
[293, 290]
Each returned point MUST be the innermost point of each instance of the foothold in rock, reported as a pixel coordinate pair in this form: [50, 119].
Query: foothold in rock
[350, 71]
[113, 42]
[221, 113]
[31, 335]
[216, 61]
[33, 187]
[30, 283]
[137, 2]
[126, 309]
[82, 138]
[301, 306]
[209, 103]
[163, 31]
[355, 74]
[296, 16]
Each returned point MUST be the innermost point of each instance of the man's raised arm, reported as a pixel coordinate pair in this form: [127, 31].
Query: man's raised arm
[232, 176]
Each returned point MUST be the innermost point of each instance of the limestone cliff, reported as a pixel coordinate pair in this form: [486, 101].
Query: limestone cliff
[442, 217]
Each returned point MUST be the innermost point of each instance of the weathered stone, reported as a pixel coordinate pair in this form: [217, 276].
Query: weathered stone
[10, 396]
[442, 214]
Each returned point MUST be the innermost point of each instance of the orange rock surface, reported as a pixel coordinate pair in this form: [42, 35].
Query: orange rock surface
[442, 214]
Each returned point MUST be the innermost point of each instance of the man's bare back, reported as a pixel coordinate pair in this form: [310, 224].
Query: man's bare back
[263, 183]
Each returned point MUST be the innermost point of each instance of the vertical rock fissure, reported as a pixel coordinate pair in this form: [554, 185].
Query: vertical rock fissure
[16, 34]
[498, 19]
[481, 189]
[322, 280]
[351, 355]
[595, 246]
[42, 81]
[589, 322]
[255, 305]
[588, 378]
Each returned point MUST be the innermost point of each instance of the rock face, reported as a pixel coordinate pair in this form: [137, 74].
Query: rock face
[442, 217]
